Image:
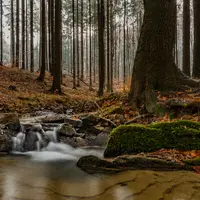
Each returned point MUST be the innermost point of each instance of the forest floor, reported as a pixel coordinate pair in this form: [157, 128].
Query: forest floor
[22, 93]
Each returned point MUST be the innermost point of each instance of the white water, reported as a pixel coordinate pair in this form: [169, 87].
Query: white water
[58, 151]
[52, 135]
[18, 141]
[54, 150]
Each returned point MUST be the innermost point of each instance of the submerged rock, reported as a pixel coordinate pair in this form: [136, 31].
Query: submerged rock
[92, 164]
[129, 139]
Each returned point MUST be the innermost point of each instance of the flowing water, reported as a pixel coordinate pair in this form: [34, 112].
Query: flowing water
[51, 174]
[48, 177]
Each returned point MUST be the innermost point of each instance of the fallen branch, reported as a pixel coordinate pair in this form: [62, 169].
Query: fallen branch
[136, 118]
[109, 121]
[98, 106]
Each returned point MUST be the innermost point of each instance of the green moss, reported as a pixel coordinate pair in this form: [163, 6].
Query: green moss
[179, 123]
[184, 135]
[132, 138]
[192, 162]
[112, 110]
[160, 110]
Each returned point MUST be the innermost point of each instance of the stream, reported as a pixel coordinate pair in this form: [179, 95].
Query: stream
[25, 178]
[51, 174]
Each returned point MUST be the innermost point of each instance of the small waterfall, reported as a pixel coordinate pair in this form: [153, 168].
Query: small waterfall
[52, 135]
[18, 141]
[43, 145]
[39, 142]
[30, 135]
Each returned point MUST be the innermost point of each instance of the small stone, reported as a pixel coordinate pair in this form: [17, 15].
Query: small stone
[12, 87]
[80, 141]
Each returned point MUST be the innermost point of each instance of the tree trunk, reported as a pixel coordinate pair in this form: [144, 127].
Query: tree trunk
[31, 37]
[111, 45]
[27, 37]
[77, 43]
[90, 44]
[17, 34]
[74, 49]
[1, 6]
[124, 67]
[23, 33]
[43, 41]
[49, 35]
[57, 78]
[186, 37]
[154, 66]
[101, 31]
[108, 46]
[12, 36]
[196, 61]
[82, 46]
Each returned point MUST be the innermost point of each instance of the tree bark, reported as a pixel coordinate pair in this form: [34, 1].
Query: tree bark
[82, 44]
[124, 50]
[27, 37]
[108, 45]
[186, 37]
[77, 43]
[43, 41]
[12, 36]
[196, 61]
[49, 35]
[23, 33]
[90, 43]
[31, 37]
[57, 78]
[101, 32]
[1, 6]
[154, 67]
[17, 34]
[74, 49]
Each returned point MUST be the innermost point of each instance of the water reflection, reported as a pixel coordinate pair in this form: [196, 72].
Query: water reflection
[25, 179]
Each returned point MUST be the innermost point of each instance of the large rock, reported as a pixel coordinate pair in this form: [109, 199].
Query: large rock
[92, 164]
[101, 139]
[75, 123]
[90, 120]
[5, 139]
[30, 141]
[10, 121]
[9, 127]
[130, 139]
[66, 130]
[59, 119]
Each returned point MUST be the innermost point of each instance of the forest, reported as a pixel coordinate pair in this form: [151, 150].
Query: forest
[100, 92]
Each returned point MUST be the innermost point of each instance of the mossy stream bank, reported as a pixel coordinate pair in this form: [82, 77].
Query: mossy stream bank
[127, 142]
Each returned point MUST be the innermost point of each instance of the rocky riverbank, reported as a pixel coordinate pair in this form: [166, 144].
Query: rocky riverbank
[138, 147]
[29, 134]
[158, 146]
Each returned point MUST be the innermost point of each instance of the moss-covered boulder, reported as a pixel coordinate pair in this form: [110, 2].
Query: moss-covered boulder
[126, 139]
[192, 162]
